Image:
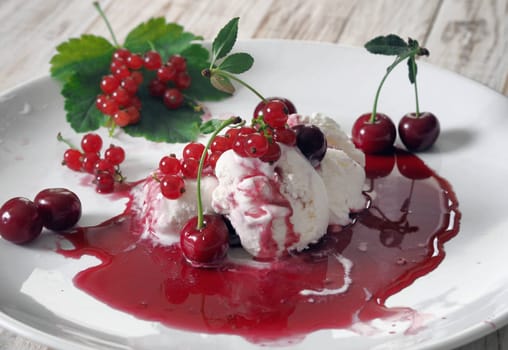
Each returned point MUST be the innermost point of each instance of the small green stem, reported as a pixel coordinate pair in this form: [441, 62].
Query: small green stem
[413, 69]
[103, 15]
[60, 138]
[231, 76]
[411, 53]
[225, 123]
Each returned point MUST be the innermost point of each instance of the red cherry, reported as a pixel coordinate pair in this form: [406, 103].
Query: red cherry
[419, 133]
[60, 208]
[207, 246]
[20, 220]
[289, 105]
[376, 137]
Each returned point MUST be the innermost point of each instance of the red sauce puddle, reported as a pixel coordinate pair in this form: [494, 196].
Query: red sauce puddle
[399, 238]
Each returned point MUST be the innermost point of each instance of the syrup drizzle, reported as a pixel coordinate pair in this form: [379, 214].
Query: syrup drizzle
[344, 279]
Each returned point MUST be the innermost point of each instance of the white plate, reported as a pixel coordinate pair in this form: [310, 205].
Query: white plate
[464, 298]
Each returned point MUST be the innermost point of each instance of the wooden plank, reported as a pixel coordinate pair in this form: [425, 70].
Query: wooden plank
[471, 38]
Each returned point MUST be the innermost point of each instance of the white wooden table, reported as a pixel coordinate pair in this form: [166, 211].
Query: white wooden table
[469, 37]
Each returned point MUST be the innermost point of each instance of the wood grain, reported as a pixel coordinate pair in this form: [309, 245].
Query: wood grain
[469, 37]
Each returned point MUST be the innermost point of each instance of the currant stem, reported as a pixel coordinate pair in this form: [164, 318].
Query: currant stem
[103, 15]
[225, 123]
[232, 77]
[60, 138]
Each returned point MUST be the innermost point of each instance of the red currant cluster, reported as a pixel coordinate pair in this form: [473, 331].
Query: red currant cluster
[172, 78]
[106, 169]
[119, 100]
[173, 171]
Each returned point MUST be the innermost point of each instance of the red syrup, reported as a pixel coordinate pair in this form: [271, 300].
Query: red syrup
[412, 212]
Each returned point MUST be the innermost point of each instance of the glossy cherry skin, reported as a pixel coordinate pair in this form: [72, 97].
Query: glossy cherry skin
[419, 134]
[60, 208]
[208, 246]
[374, 138]
[311, 141]
[20, 220]
[259, 108]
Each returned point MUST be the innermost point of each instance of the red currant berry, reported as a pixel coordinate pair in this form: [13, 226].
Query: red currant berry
[273, 153]
[115, 155]
[91, 143]
[108, 106]
[134, 61]
[152, 60]
[258, 111]
[121, 96]
[121, 53]
[183, 81]
[193, 150]
[109, 83]
[156, 88]
[178, 62]
[104, 166]
[122, 72]
[213, 158]
[220, 144]
[121, 118]
[170, 165]
[72, 159]
[116, 63]
[256, 145]
[285, 136]
[137, 77]
[88, 162]
[172, 186]
[134, 115]
[60, 208]
[172, 98]
[275, 114]
[166, 73]
[238, 145]
[190, 168]
[104, 182]
[231, 134]
[20, 220]
[136, 103]
[130, 85]
[373, 137]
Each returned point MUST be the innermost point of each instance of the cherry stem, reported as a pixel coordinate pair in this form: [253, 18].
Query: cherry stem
[60, 138]
[103, 15]
[225, 123]
[413, 72]
[410, 53]
[232, 77]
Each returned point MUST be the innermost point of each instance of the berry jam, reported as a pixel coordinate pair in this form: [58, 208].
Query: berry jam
[343, 279]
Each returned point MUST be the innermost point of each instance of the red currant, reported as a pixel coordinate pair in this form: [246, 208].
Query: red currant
[220, 144]
[121, 118]
[172, 186]
[121, 53]
[172, 98]
[130, 85]
[273, 153]
[193, 150]
[169, 165]
[134, 115]
[137, 77]
[115, 154]
[72, 158]
[166, 73]
[183, 81]
[109, 83]
[285, 136]
[104, 166]
[88, 162]
[256, 145]
[213, 158]
[134, 61]
[121, 96]
[275, 114]
[122, 72]
[178, 62]
[190, 167]
[108, 106]
[104, 182]
[156, 88]
[91, 143]
[152, 60]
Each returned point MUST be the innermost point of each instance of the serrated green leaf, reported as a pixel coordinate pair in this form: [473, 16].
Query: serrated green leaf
[225, 39]
[87, 54]
[412, 68]
[80, 92]
[237, 63]
[222, 83]
[159, 124]
[210, 126]
[391, 45]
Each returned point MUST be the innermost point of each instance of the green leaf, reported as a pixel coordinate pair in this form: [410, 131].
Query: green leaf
[222, 83]
[412, 68]
[237, 63]
[80, 92]
[225, 39]
[87, 54]
[159, 124]
[210, 126]
[391, 45]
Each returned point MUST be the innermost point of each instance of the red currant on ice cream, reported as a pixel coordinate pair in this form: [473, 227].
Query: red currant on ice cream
[20, 220]
[59, 208]
[289, 105]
